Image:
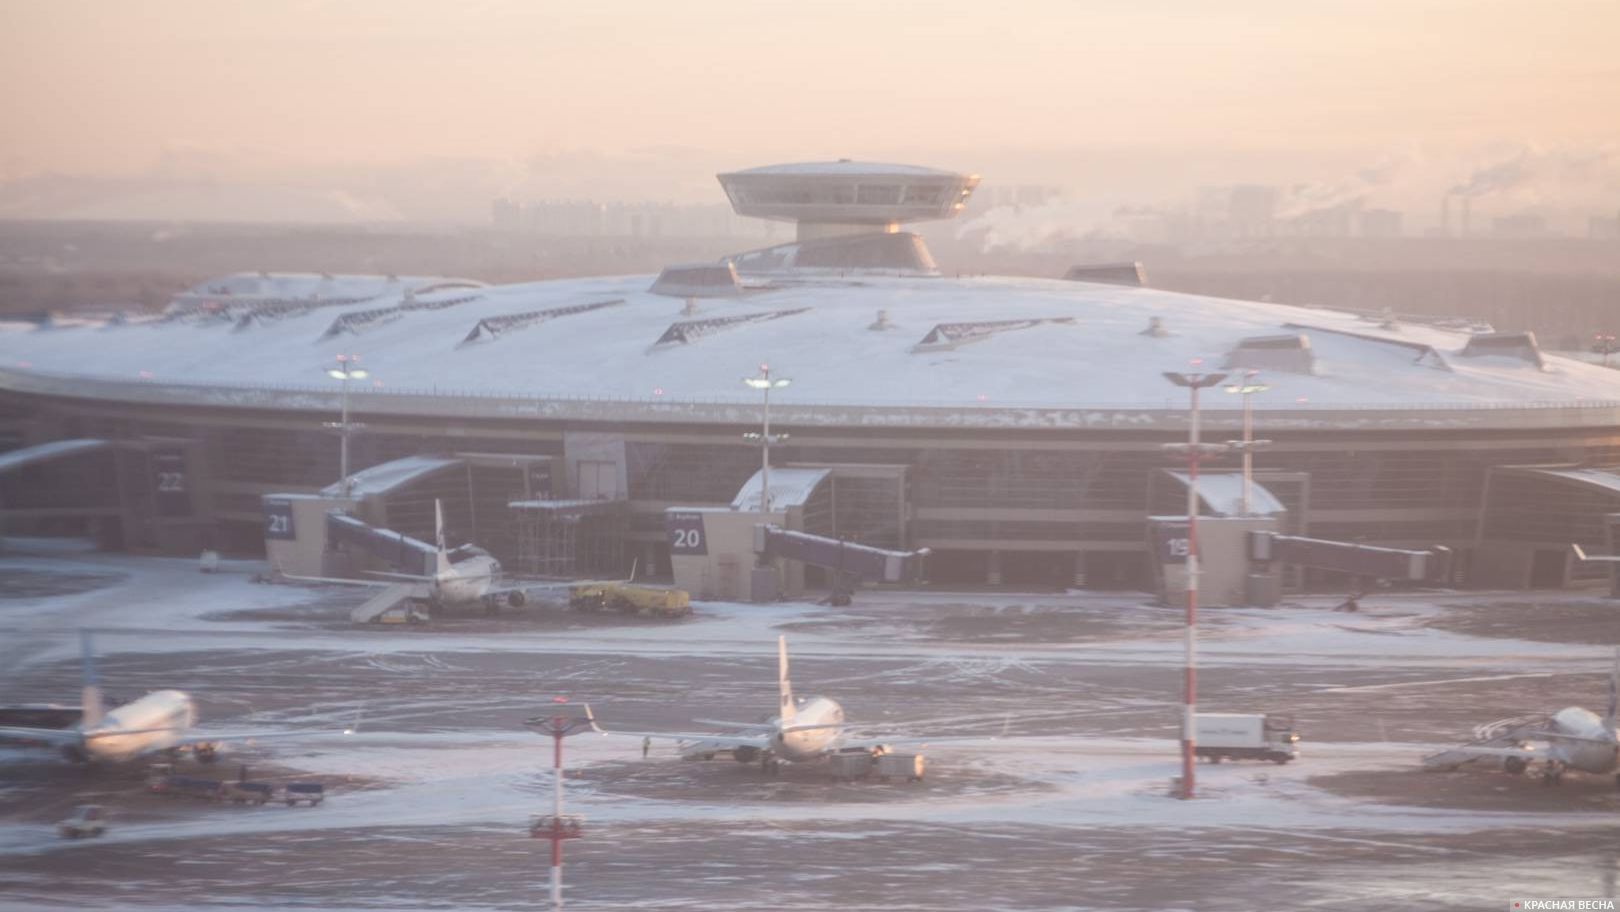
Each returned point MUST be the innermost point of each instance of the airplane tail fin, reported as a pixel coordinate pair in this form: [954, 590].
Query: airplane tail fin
[441, 561]
[90, 705]
[785, 706]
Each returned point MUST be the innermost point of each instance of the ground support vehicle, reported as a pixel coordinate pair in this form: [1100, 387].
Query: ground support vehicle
[1245, 736]
[629, 598]
[88, 821]
[311, 793]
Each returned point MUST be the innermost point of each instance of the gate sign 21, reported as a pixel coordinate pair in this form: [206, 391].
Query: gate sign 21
[278, 520]
[685, 529]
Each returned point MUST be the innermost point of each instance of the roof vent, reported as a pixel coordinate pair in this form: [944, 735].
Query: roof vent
[1155, 328]
[1108, 274]
[698, 280]
[685, 332]
[949, 336]
[1520, 345]
[882, 322]
[491, 327]
[1290, 353]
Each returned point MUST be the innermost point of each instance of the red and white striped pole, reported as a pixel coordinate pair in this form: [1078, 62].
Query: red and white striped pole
[1193, 382]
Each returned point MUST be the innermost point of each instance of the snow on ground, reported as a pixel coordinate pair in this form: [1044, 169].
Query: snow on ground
[1048, 721]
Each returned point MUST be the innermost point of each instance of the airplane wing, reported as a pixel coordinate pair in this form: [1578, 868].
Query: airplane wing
[195, 737]
[23, 736]
[389, 574]
[337, 581]
[701, 739]
[738, 726]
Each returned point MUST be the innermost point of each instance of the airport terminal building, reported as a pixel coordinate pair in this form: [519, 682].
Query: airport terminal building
[1015, 426]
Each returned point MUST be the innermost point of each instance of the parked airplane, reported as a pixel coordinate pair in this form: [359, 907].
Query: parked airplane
[802, 731]
[1574, 739]
[161, 721]
[472, 581]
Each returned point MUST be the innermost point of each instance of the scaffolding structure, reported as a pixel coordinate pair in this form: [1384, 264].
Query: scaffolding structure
[571, 538]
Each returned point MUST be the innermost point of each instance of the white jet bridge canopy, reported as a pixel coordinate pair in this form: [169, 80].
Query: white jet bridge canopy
[789, 488]
[1222, 492]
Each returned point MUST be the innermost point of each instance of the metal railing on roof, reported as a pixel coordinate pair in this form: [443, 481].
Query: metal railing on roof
[975, 412]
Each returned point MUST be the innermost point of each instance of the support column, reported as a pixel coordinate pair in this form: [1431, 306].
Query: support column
[993, 577]
[1079, 569]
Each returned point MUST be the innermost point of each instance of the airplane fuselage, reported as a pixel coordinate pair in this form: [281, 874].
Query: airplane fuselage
[155, 722]
[800, 746]
[466, 582]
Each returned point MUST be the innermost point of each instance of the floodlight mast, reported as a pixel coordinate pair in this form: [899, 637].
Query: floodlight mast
[348, 369]
[564, 719]
[765, 383]
[1193, 382]
[1246, 388]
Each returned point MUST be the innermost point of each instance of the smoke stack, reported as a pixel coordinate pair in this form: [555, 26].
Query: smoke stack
[1467, 207]
[1445, 215]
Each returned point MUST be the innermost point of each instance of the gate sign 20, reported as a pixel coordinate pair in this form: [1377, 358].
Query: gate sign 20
[278, 520]
[685, 530]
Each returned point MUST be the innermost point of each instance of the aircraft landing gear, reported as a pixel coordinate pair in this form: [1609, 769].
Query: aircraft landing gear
[770, 766]
[1553, 774]
[492, 606]
[206, 753]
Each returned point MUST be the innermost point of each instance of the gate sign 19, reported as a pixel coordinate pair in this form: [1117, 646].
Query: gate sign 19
[686, 536]
[278, 519]
[1171, 541]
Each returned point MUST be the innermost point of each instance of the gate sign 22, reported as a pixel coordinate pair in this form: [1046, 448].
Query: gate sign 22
[278, 519]
[171, 487]
[685, 528]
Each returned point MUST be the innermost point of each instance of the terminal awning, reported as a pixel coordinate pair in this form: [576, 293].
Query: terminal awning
[1222, 492]
[382, 479]
[789, 488]
[1606, 480]
[15, 459]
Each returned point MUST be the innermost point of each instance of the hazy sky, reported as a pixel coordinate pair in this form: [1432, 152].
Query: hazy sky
[111, 87]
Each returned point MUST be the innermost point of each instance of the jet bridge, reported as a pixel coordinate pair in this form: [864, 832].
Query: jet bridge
[849, 564]
[1433, 565]
[398, 550]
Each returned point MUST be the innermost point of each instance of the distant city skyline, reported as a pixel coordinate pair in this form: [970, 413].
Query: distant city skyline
[412, 110]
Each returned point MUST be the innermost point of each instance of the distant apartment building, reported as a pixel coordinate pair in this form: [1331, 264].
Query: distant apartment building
[1379, 223]
[589, 218]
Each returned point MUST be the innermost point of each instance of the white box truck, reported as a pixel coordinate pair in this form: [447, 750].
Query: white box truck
[1245, 736]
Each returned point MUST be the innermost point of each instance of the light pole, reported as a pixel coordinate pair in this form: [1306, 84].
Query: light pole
[348, 369]
[1247, 387]
[1195, 451]
[765, 383]
[564, 719]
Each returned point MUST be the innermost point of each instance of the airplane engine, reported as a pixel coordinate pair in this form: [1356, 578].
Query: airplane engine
[516, 598]
[1514, 765]
[745, 754]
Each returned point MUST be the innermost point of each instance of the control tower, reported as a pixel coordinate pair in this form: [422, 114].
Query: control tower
[844, 197]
